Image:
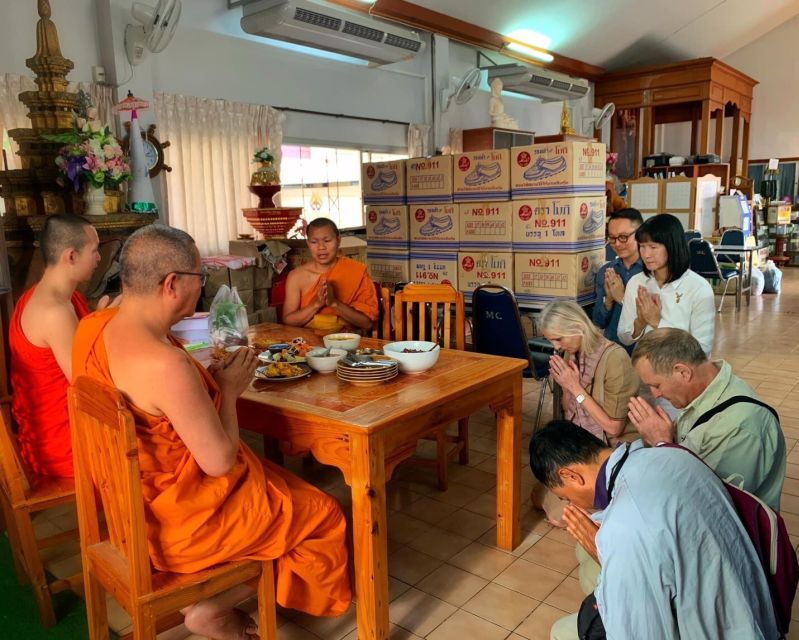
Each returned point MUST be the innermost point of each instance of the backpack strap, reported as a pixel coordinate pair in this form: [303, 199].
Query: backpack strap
[707, 415]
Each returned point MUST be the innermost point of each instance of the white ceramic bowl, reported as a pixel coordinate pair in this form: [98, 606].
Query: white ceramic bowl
[413, 362]
[346, 341]
[324, 364]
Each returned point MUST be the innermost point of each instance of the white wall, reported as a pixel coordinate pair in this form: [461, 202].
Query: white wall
[771, 60]
[774, 129]
[77, 33]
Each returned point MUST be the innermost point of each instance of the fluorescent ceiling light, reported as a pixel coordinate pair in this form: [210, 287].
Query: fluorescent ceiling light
[531, 38]
[536, 54]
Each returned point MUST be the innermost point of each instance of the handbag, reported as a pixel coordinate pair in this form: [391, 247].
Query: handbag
[589, 622]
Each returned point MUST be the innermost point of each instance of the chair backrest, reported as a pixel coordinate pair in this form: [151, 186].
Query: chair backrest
[703, 259]
[731, 238]
[693, 234]
[13, 473]
[381, 329]
[418, 296]
[497, 330]
[106, 460]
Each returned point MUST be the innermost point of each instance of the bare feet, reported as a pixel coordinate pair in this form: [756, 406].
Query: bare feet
[205, 619]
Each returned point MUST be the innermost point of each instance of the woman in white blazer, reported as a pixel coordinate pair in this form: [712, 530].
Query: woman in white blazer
[667, 293]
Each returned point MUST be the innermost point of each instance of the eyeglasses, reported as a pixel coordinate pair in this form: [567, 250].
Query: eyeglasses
[620, 239]
[203, 275]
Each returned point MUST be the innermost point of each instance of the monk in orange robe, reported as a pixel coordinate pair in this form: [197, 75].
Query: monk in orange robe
[331, 293]
[40, 340]
[208, 498]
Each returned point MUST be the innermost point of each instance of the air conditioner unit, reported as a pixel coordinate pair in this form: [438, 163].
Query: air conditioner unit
[324, 27]
[538, 82]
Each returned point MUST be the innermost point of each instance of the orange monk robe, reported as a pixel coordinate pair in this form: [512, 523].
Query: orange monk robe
[258, 510]
[39, 400]
[352, 286]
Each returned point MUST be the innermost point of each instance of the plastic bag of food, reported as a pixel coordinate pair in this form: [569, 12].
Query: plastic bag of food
[227, 320]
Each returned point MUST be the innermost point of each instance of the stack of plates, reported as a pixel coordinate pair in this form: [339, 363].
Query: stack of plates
[371, 374]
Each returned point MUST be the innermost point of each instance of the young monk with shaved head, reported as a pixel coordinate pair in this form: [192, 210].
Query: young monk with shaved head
[208, 498]
[40, 339]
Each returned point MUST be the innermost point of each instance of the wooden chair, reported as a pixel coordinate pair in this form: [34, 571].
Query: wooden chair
[105, 450]
[381, 330]
[22, 495]
[416, 308]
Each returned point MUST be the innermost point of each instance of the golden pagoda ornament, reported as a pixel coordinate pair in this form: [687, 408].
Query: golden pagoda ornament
[565, 123]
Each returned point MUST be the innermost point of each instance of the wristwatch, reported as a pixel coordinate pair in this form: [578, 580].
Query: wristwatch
[580, 398]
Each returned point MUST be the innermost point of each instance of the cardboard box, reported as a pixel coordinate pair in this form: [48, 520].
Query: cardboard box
[387, 226]
[429, 179]
[558, 223]
[383, 182]
[242, 279]
[434, 227]
[260, 299]
[434, 267]
[542, 277]
[263, 277]
[216, 278]
[779, 213]
[486, 225]
[350, 246]
[484, 267]
[565, 168]
[248, 299]
[481, 175]
[388, 266]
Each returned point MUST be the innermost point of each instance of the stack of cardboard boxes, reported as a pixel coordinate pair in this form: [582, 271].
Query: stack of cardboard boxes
[558, 197]
[531, 219]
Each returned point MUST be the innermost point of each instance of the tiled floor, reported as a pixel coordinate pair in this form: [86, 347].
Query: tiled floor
[448, 581]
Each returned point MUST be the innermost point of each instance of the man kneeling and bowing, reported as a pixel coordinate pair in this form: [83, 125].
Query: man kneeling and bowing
[676, 560]
[208, 498]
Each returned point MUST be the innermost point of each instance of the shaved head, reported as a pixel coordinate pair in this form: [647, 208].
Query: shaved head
[153, 252]
[61, 232]
[321, 223]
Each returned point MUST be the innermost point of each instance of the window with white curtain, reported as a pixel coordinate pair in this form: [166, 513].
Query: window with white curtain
[326, 181]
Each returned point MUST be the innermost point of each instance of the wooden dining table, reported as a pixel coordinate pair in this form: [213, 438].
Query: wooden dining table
[365, 431]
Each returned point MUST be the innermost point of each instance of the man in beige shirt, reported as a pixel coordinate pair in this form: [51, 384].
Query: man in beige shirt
[742, 442]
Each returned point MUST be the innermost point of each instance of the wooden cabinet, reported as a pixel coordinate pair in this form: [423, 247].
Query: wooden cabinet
[494, 138]
[722, 170]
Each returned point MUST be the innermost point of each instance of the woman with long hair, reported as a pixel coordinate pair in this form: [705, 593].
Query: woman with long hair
[667, 293]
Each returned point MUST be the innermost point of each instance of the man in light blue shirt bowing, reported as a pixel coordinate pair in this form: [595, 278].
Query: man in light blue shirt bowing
[612, 278]
[676, 562]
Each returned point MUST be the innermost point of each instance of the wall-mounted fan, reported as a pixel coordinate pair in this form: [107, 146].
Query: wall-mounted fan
[461, 90]
[156, 27]
[598, 118]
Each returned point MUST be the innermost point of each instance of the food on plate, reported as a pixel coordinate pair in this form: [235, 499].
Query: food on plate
[406, 350]
[283, 370]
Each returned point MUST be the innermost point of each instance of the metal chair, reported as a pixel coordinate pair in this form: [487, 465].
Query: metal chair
[105, 449]
[693, 234]
[703, 262]
[497, 330]
[416, 315]
[731, 238]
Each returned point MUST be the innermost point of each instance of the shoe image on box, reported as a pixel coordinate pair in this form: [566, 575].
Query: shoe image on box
[387, 225]
[595, 220]
[384, 180]
[590, 276]
[434, 226]
[545, 167]
[483, 173]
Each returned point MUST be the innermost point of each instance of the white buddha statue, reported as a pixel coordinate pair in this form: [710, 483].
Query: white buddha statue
[496, 110]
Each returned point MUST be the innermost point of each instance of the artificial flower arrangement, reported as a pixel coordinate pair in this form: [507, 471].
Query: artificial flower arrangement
[91, 154]
[263, 155]
[610, 163]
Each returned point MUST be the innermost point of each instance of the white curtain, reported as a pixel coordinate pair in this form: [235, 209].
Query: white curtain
[14, 114]
[418, 140]
[213, 143]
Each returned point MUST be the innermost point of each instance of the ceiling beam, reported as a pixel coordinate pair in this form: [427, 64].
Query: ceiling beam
[428, 20]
